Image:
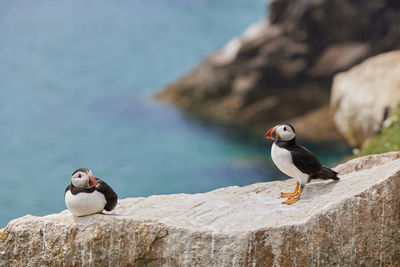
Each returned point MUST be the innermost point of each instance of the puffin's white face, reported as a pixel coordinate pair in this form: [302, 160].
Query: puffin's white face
[285, 132]
[83, 179]
[281, 132]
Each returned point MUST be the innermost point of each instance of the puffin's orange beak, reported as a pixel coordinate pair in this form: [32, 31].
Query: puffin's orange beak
[271, 133]
[91, 181]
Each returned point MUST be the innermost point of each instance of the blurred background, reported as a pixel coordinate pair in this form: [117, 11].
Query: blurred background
[81, 83]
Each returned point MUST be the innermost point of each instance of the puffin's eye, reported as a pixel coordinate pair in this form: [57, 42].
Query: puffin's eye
[79, 176]
[284, 128]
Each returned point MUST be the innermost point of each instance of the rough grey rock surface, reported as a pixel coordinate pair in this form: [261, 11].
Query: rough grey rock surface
[361, 96]
[289, 59]
[353, 222]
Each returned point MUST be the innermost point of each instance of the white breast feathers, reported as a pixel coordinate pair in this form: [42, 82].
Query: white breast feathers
[83, 204]
[283, 160]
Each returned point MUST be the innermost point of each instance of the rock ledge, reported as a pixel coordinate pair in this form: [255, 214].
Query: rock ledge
[351, 222]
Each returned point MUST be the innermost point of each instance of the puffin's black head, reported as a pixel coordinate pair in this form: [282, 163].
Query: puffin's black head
[284, 132]
[83, 177]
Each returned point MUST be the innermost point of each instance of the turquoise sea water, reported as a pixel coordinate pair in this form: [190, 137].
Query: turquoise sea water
[77, 80]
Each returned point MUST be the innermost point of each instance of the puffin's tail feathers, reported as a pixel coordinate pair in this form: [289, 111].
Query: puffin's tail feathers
[327, 173]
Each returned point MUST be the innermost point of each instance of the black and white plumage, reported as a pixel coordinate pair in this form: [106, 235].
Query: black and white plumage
[88, 195]
[295, 161]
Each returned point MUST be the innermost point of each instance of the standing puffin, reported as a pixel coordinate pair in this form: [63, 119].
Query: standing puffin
[295, 161]
[88, 195]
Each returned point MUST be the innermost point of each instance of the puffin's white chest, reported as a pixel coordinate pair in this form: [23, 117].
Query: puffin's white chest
[85, 203]
[283, 160]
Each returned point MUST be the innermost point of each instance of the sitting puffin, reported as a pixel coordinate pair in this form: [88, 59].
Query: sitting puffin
[295, 161]
[87, 195]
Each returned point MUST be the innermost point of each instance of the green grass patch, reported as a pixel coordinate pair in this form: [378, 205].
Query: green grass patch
[387, 140]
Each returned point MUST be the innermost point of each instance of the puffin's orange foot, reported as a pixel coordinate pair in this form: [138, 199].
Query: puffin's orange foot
[291, 200]
[293, 193]
[285, 195]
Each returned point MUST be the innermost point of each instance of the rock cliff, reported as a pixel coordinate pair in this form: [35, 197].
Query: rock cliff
[287, 60]
[364, 96]
[352, 222]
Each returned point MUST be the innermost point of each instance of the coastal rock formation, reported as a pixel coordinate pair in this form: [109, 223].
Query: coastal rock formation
[287, 60]
[317, 125]
[363, 96]
[348, 223]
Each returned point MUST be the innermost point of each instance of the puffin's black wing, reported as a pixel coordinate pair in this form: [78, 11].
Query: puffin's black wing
[304, 160]
[110, 195]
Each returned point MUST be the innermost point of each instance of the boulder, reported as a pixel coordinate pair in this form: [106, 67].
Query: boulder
[318, 126]
[353, 222]
[282, 67]
[363, 96]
